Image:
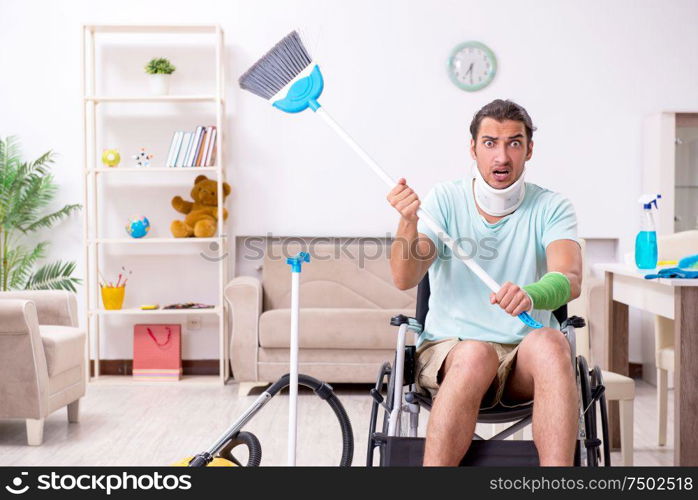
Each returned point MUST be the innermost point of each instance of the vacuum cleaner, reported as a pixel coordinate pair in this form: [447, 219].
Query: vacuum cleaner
[220, 453]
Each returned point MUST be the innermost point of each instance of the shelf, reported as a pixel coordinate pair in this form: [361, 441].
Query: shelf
[209, 97]
[100, 170]
[146, 240]
[143, 28]
[142, 312]
[159, 98]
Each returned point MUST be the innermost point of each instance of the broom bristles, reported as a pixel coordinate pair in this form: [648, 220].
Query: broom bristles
[285, 61]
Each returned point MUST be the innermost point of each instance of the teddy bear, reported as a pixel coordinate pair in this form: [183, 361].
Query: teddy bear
[202, 213]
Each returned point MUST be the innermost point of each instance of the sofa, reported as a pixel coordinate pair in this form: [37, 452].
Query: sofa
[347, 298]
[42, 357]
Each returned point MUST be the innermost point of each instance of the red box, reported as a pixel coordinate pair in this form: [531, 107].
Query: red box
[157, 352]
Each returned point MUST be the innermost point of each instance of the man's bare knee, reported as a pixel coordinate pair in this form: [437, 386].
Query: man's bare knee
[546, 351]
[472, 360]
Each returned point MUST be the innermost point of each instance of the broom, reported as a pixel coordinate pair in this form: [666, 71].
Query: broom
[286, 76]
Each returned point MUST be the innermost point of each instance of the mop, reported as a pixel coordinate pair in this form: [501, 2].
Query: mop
[286, 76]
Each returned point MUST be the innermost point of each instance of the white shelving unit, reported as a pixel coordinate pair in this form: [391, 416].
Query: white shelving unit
[94, 241]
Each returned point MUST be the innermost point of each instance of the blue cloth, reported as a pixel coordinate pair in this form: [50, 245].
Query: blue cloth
[673, 272]
[512, 249]
[689, 262]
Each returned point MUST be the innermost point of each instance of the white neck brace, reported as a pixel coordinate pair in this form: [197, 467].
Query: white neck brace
[498, 202]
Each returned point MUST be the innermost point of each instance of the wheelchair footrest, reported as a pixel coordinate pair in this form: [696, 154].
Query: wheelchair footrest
[409, 452]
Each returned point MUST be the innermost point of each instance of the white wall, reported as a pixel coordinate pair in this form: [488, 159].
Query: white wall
[587, 71]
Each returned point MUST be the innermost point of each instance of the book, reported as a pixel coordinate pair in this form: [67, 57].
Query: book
[183, 149]
[189, 148]
[196, 141]
[211, 152]
[174, 148]
[204, 146]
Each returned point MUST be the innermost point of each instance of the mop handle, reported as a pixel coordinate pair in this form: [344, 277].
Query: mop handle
[293, 374]
[296, 264]
[428, 220]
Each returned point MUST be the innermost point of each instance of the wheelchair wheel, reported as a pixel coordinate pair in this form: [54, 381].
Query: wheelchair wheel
[597, 384]
[591, 443]
[376, 408]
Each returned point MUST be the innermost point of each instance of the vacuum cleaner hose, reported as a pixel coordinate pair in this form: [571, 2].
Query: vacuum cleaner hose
[325, 392]
[253, 447]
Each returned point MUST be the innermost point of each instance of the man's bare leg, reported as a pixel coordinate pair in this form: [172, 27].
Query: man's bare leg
[543, 371]
[468, 372]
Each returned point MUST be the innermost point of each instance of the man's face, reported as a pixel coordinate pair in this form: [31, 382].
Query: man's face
[501, 151]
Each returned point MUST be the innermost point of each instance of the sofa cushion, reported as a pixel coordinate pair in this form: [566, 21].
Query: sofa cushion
[331, 328]
[64, 347]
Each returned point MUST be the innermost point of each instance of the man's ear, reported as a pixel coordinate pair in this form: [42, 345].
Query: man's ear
[472, 149]
[530, 150]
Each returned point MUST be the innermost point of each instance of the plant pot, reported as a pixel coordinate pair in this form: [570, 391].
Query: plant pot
[159, 84]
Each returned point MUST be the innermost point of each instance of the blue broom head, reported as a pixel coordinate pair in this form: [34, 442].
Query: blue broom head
[303, 93]
[286, 65]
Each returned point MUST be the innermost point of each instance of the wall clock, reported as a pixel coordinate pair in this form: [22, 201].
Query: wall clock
[472, 66]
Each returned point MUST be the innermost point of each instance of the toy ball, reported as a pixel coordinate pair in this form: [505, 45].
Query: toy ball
[111, 157]
[138, 227]
[143, 158]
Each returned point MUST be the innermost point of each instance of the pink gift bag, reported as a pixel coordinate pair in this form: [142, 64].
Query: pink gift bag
[157, 352]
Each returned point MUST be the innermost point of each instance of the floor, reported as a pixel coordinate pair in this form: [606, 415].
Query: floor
[150, 424]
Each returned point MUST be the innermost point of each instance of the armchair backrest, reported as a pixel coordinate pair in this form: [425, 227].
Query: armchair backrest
[53, 307]
[677, 245]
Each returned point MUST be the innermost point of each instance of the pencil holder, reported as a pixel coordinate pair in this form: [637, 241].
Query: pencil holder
[113, 297]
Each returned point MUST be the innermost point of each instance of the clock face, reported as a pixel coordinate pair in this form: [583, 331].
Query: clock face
[472, 66]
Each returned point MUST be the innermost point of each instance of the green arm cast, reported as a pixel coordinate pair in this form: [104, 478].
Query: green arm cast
[550, 292]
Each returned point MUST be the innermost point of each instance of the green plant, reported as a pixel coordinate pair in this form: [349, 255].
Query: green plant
[26, 190]
[159, 66]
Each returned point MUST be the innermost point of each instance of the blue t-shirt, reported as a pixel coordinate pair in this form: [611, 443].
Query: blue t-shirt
[512, 249]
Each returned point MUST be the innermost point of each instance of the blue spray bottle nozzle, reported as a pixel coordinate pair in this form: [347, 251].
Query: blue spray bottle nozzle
[648, 200]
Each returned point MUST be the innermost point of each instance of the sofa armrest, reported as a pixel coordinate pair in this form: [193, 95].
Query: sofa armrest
[23, 369]
[244, 294]
[15, 317]
[54, 307]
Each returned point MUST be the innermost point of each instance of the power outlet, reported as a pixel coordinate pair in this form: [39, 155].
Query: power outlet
[193, 322]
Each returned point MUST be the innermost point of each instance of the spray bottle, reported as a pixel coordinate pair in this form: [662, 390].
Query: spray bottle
[646, 240]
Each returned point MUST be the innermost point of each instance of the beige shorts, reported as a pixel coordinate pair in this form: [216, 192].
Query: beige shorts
[432, 354]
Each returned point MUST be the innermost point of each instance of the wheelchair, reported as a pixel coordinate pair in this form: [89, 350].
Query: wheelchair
[399, 445]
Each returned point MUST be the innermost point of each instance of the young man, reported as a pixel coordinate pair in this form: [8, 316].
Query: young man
[474, 352]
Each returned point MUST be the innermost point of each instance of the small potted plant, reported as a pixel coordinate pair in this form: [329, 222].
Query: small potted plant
[159, 69]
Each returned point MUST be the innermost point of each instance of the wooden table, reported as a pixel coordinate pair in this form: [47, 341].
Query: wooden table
[676, 299]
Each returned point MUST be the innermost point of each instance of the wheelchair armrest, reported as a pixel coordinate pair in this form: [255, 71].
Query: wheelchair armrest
[412, 323]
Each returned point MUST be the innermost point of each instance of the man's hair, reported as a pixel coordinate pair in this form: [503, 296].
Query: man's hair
[502, 110]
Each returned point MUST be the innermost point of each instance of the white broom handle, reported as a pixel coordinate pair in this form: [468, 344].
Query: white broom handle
[293, 378]
[428, 220]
